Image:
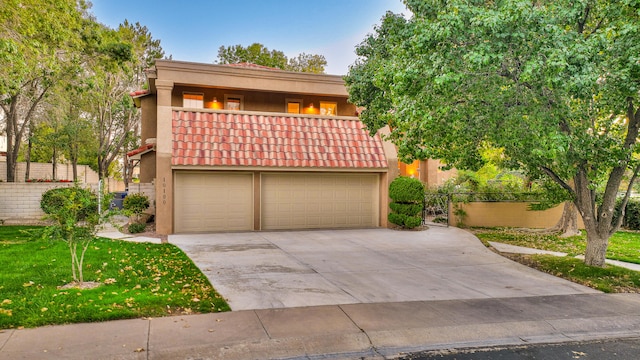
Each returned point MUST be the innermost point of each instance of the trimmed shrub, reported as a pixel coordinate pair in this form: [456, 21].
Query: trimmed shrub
[135, 204]
[406, 190]
[413, 221]
[408, 198]
[407, 209]
[135, 228]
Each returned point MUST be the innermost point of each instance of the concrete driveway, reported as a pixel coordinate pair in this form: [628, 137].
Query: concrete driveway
[262, 270]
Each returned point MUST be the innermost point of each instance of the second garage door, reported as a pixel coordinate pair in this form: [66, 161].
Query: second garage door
[314, 200]
[207, 201]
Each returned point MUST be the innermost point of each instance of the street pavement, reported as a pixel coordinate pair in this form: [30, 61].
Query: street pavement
[499, 303]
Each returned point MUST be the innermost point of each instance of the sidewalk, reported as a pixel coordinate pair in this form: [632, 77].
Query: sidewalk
[506, 248]
[356, 331]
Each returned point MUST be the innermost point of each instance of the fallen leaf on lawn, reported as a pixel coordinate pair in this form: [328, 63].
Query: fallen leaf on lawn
[28, 284]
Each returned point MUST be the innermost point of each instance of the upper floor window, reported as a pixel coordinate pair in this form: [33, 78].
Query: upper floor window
[193, 100]
[294, 106]
[328, 108]
[233, 102]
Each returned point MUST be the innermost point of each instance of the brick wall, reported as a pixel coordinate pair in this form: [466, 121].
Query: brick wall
[20, 202]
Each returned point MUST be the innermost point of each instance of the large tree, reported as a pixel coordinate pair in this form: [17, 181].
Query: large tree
[38, 40]
[259, 54]
[553, 84]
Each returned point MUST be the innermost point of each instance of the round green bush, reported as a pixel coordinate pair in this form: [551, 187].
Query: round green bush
[412, 221]
[406, 190]
[397, 219]
[135, 203]
[53, 201]
[135, 228]
[406, 209]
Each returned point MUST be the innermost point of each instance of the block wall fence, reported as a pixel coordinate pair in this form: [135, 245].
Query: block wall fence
[20, 202]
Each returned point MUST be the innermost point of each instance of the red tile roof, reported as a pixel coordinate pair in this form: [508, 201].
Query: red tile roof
[139, 150]
[139, 93]
[223, 139]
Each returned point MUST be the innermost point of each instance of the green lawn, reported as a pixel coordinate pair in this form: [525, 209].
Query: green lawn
[138, 280]
[624, 246]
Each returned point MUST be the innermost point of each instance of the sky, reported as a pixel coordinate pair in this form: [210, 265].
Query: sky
[194, 30]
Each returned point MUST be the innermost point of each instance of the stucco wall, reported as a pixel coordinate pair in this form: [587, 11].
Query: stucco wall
[508, 214]
[20, 202]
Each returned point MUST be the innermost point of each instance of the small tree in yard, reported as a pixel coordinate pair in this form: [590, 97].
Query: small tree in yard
[134, 205]
[74, 215]
[408, 197]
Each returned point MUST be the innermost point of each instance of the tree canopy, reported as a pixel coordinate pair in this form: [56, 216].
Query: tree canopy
[258, 54]
[553, 85]
[67, 83]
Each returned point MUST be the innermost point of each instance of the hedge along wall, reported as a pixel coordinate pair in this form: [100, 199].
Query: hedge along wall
[20, 202]
[507, 214]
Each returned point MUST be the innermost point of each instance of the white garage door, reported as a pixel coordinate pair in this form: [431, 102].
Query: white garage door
[314, 200]
[213, 202]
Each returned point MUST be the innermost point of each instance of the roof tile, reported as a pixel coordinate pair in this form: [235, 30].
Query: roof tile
[220, 139]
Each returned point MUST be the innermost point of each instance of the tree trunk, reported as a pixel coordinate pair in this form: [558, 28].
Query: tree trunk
[11, 130]
[27, 156]
[568, 224]
[54, 164]
[596, 249]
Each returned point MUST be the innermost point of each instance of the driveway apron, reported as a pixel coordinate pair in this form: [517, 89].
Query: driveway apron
[263, 270]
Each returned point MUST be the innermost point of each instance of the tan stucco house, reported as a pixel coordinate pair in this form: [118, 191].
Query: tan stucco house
[245, 147]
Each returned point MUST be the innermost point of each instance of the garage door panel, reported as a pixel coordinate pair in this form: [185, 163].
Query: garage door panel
[298, 201]
[213, 202]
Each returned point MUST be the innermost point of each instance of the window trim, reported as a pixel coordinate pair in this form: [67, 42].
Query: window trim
[287, 101]
[335, 106]
[201, 95]
[227, 97]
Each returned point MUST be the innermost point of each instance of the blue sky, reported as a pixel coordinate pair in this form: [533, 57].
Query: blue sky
[194, 30]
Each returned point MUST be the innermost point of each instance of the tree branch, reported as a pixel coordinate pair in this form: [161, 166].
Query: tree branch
[625, 200]
[557, 179]
[582, 22]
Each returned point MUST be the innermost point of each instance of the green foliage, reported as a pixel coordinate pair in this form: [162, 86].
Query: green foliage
[307, 63]
[412, 221]
[631, 219]
[74, 215]
[138, 280]
[406, 190]
[135, 228]
[623, 245]
[611, 279]
[69, 204]
[135, 204]
[410, 209]
[553, 85]
[408, 197]
[396, 218]
[259, 54]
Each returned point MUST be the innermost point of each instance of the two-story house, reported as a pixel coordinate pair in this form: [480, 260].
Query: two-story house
[246, 147]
